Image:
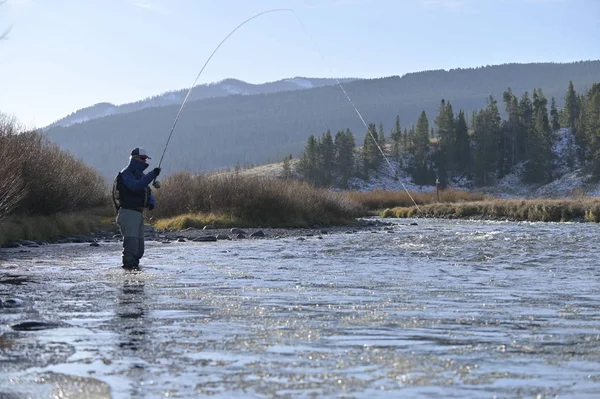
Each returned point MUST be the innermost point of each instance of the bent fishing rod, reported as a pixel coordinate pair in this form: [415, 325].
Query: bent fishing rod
[189, 92]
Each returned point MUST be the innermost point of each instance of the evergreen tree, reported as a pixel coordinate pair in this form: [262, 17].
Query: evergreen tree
[513, 132]
[307, 166]
[462, 146]
[571, 109]
[287, 174]
[525, 124]
[537, 169]
[371, 154]
[412, 140]
[487, 132]
[344, 156]
[327, 156]
[381, 136]
[420, 170]
[554, 116]
[590, 116]
[397, 139]
[447, 140]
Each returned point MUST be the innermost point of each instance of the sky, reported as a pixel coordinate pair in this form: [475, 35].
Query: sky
[63, 55]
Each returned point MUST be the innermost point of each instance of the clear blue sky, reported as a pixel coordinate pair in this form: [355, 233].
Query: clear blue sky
[63, 55]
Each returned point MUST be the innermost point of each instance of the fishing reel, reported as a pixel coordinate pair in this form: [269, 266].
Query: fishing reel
[156, 184]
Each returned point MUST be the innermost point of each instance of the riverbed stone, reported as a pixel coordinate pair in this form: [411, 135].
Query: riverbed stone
[223, 237]
[258, 233]
[235, 230]
[181, 239]
[240, 236]
[205, 239]
[11, 244]
[35, 325]
[209, 227]
[94, 244]
[13, 303]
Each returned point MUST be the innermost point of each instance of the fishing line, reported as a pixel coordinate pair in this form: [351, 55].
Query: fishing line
[324, 60]
[355, 108]
[187, 96]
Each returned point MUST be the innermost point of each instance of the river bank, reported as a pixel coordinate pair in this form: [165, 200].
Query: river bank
[207, 234]
[518, 210]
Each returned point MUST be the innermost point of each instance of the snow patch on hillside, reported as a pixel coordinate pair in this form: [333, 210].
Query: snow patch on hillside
[231, 89]
[303, 83]
[570, 179]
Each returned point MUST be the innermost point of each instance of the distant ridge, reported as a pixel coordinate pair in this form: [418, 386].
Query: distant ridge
[223, 88]
[221, 131]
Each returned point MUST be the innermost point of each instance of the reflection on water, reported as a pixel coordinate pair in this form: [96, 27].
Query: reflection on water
[449, 309]
[130, 310]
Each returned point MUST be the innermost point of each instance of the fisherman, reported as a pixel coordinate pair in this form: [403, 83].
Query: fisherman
[131, 196]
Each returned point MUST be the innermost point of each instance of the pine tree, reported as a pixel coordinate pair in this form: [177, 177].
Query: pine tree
[327, 155]
[590, 117]
[537, 169]
[287, 174]
[462, 146]
[420, 170]
[513, 132]
[371, 154]
[571, 109]
[344, 156]
[307, 166]
[487, 132]
[396, 136]
[554, 116]
[525, 125]
[447, 139]
[381, 136]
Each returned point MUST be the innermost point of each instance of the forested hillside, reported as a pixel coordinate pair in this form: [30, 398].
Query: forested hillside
[222, 132]
[536, 141]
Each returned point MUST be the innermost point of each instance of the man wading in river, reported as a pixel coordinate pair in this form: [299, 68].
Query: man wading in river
[131, 195]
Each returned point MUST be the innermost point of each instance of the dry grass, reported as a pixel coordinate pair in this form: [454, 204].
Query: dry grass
[253, 201]
[381, 199]
[587, 209]
[44, 228]
[198, 221]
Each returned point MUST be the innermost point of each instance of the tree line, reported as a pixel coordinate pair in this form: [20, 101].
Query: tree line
[481, 148]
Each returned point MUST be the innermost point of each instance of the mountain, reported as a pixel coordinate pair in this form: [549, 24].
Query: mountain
[223, 88]
[220, 132]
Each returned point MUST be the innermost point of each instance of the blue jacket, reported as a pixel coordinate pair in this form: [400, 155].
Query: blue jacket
[134, 192]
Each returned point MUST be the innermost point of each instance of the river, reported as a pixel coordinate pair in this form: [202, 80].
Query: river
[444, 309]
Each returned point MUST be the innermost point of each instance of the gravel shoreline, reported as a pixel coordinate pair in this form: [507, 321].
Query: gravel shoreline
[192, 234]
[209, 233]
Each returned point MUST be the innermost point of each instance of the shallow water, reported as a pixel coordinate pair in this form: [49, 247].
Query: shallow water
[451, 309]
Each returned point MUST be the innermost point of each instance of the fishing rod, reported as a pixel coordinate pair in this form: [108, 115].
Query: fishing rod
[187, 96]
[157, 184]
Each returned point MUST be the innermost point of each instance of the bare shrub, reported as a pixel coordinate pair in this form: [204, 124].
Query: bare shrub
[38, 178]
[12, 186]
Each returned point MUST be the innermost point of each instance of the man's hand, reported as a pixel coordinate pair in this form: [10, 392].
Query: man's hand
[157, 171]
